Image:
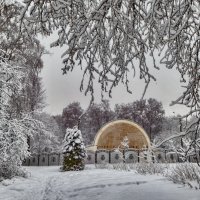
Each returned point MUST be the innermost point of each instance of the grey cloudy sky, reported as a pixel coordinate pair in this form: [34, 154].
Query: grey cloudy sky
[64, 89]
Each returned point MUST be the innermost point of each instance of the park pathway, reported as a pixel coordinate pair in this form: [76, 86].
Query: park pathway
[47, 183]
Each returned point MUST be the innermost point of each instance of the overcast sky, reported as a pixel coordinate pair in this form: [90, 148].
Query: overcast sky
[64, 89]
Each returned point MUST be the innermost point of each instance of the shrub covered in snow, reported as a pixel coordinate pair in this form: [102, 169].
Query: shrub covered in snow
[73, 150]
[121, 166]
[186, 174]
[140, 168]
[13, 148]
[114, 166]
[13, 143]
[150, 168]
[104, 166]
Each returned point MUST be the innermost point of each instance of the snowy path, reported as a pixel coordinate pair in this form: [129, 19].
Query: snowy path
[47, 183]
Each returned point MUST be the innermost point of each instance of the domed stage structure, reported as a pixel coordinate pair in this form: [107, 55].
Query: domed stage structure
[112, 134]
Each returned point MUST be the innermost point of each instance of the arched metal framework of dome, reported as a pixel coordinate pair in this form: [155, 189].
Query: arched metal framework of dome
[111, 135]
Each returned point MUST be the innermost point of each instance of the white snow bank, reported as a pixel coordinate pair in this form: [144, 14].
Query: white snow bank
[47, 183]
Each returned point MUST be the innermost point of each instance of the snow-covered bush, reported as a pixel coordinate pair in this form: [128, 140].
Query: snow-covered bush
[13, 147]
[115, 166]
[103, 166]
[73, 150]
[186, 174]
[13, 143]
[149, 168]
[121, 166]
[9, 169]
[140, 168]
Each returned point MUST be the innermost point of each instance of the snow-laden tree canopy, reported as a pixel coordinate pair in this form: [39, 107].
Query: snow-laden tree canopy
[20, 89]
[110, 38]
[14, 129]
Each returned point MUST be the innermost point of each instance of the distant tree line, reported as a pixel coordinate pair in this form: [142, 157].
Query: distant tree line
[148, 113]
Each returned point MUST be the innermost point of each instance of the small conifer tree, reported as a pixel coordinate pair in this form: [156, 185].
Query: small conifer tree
[73, 150]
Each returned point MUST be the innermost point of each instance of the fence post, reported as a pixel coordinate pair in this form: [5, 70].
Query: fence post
[189, 159]
[95, 157]
[38, 159]
[58, 159]
[138, 156]
[109, 156]
[48, 159]
[153, 159]
[178, 157]
[29, 161]
[165, 155]
[123, 155]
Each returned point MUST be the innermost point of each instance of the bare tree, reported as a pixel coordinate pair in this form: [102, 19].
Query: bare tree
[71, 114]
[94, 118]
[147, 113]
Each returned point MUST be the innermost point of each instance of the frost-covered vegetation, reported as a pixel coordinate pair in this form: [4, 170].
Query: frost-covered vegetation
[185, 173]
[15, 128]
[140, 168]
[106, 37]
[74, 152]
[150, 168]
[21, 92]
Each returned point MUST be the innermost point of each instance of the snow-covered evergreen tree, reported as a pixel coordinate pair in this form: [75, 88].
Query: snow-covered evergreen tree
[73, 150]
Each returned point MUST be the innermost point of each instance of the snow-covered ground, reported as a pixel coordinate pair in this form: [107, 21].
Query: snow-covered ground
[47, 183]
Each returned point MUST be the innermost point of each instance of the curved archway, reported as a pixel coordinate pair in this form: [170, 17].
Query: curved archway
[111, 135]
